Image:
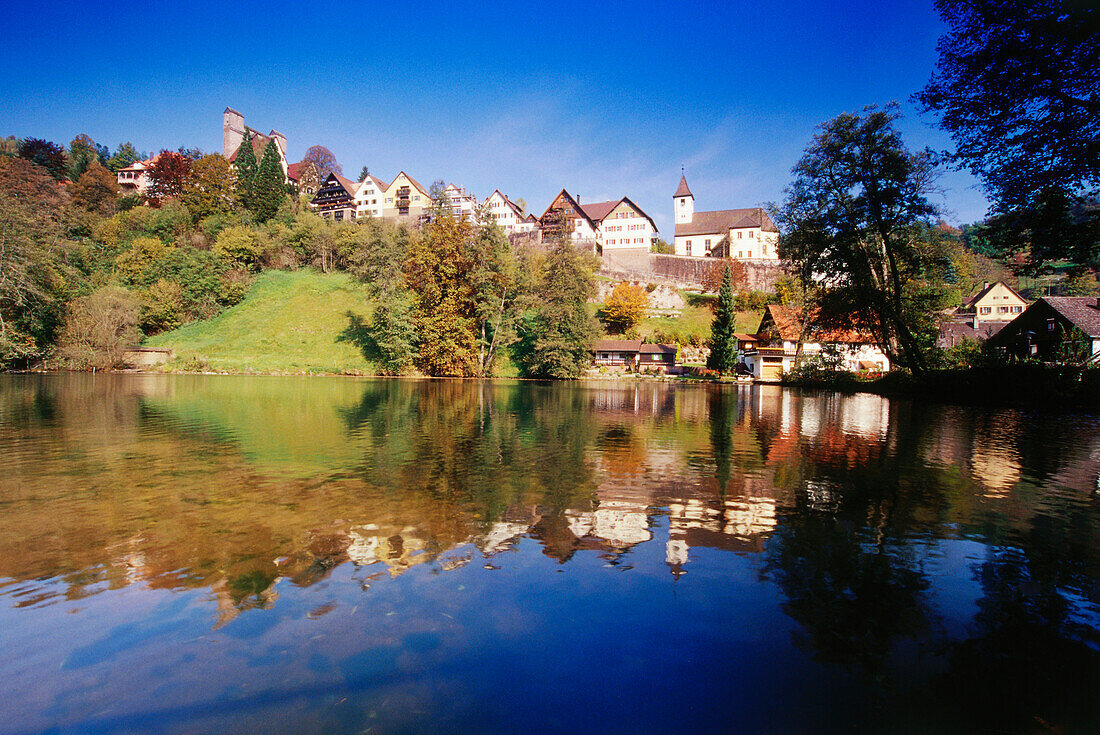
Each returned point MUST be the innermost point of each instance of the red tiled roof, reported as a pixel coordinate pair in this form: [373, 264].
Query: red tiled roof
[787, 324]
[596, 211]
[683, 190]
[720, 221]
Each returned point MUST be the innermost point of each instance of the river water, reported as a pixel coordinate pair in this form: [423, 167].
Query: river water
[283, 555]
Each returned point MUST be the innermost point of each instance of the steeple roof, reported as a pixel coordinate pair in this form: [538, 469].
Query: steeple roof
[683, 190]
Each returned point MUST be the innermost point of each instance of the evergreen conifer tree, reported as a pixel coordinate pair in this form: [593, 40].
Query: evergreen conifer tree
[269, 186]
[723, 341]
[246, 169]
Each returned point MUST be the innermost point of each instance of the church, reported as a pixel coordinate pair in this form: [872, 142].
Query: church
[742, 234]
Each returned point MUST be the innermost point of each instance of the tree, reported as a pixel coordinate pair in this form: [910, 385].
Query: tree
[438, 269]
[1017, 86]
[324, 160]
[851, 219]
[723, 341]
[363, 174]
[96, 190]
[49, 156]
[33, 259]
[625, 307]
[99, 328]
[125, 155]
[556, 338]
[269, 186]
[246, 166]
[210, 188]
[83, 151]
[498, 286]
[168, 176]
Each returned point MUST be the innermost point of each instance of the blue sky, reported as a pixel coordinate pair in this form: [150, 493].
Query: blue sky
[605, 99]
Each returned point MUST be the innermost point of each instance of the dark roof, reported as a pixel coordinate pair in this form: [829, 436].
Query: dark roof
[1083, 311]
[658, 349]
[572, 203]
[989, 287]
[617, 345]
[719, 222]
[349, 186]
[683, 190]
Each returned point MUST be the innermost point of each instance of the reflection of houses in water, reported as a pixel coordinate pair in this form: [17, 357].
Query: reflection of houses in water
[733, 525]
[397, 549]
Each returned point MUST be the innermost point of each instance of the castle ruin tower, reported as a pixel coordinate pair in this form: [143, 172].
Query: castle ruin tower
[684, 202]
[232, 131]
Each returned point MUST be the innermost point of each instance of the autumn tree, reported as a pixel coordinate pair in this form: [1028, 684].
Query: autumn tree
[851, 220]
[723, 340]
[499, 284]
[210, 188]
[168, 176]
[1017, 86]
[625, 307]
[49, 156]
[96, 190]
[34, 254]
[324, 160]
[269, 186]
[438, 270]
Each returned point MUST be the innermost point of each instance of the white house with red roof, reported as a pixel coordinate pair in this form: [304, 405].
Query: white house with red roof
[508, 215]
[742, 234]
[135, 177]
[613, 225]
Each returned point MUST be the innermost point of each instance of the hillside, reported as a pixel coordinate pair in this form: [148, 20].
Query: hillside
[290, 322]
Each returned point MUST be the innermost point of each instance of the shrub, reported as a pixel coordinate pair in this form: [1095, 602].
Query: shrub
[162, 307]
[98, 329]
[239, 247]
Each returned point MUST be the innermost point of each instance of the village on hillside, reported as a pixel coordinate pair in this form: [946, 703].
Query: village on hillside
[630, 249]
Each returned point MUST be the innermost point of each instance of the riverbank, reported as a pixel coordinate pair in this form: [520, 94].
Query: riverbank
[1024, 385]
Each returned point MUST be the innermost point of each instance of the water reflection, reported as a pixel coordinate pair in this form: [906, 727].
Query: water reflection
[902, 543]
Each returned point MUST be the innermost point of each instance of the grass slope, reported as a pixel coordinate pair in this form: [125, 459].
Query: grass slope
[289, 322]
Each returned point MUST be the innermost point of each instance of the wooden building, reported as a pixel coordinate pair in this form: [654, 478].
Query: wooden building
[335, 199]
[1062, 329]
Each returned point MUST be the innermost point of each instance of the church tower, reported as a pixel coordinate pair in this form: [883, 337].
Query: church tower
[232, 131]
[684, 202]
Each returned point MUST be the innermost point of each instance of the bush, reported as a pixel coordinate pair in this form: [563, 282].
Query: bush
[240, 247]
[162, 307]
[98, 329]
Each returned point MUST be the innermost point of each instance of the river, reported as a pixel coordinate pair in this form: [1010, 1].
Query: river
[281, 555]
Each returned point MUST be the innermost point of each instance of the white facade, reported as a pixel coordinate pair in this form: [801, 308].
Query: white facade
[462, 204]
[626, 228]
[750, 233]
[135, 177]
[508, 216]
[368, 198]
[855, 357]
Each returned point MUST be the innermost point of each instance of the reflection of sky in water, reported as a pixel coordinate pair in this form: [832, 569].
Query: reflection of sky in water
[190, 553]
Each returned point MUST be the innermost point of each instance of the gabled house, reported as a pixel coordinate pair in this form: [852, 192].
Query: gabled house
[781, 331]
[995, 302]
[741, 234]
[462, 204]
[611, 225]
[1054, 329]
[305, 176]
[401, 199]
[335, 199]
[507, 214]
[370, 197]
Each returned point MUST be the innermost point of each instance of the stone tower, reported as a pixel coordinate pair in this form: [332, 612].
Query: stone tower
[232, 131]
[684, 202]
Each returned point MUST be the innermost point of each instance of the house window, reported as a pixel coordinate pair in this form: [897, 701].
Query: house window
[984, 310]
[1050, 325]
[389, 200]
[689, 247]
[707, 243]
[750, 234]
[1017, 309]
[739, 234]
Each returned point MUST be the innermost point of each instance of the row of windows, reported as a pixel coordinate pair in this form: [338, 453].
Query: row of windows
[626, 241]
[1001, 309]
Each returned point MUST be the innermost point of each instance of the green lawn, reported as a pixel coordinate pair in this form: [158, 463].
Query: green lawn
[290, 322]
[695, 320]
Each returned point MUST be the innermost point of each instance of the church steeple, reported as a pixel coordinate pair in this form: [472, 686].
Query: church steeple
[683, 201]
